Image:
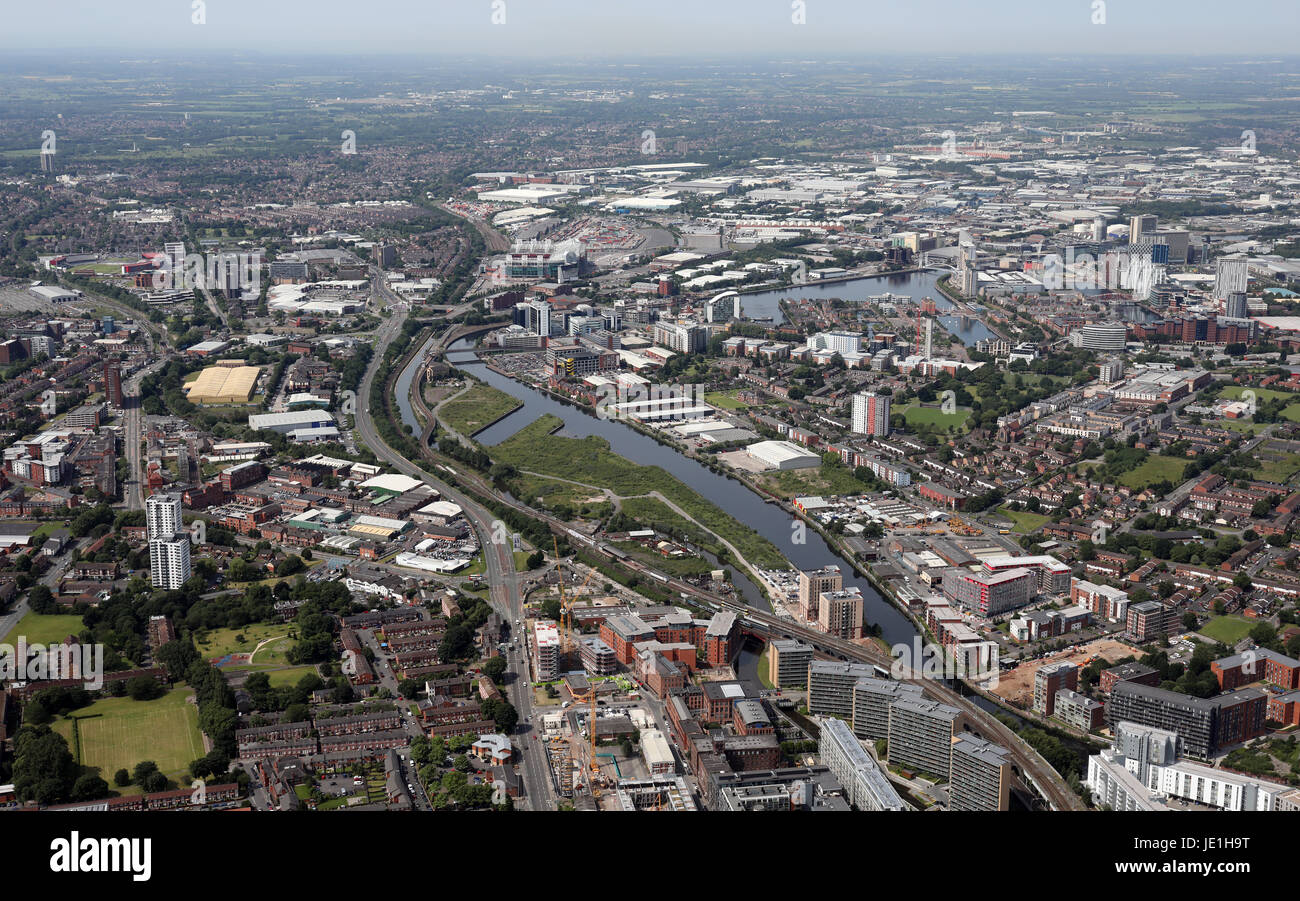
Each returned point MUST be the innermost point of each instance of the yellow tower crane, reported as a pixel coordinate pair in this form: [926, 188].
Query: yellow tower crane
[568, 638]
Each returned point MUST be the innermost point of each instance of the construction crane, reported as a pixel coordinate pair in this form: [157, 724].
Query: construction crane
[567, 630]
[564, 605]
[570, 630]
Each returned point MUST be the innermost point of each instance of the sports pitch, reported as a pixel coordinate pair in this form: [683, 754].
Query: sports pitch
[118, 732]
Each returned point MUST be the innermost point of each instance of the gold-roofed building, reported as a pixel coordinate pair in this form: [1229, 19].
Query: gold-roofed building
[223, 385]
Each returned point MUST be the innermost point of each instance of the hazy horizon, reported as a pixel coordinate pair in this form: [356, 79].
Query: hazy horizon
[639, 29]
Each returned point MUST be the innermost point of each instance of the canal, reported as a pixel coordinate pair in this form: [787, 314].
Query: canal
[739, 501]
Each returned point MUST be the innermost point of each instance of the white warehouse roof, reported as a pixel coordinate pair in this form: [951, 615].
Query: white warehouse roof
[394, 482]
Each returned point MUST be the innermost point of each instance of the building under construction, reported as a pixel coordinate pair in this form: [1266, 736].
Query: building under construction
[657, 793]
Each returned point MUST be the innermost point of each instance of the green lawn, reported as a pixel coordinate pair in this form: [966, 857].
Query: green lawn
[49, 527]
[41, 629]
[1235, 392]
[932, 415]
[476, 409]
[1245, 425]
[1227, 629]
[1024, 521]
[591, 461]
[280, 677]
[1275, 464]
[118, 732]
[220, 642]
[1157, 468]
[725, 400]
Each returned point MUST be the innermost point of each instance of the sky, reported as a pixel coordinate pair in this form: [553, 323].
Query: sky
[650, 28]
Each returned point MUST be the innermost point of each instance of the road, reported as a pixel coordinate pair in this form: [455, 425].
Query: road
[51, 578]
[503, 581]
[133, 434]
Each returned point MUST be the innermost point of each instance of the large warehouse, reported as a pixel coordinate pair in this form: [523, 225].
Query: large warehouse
[223, 385]
[285, 423]
[783, 455]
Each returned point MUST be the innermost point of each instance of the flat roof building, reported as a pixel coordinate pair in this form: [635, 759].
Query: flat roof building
[830, 686]
[866, 786]
[788, 663]
[1203, 725]
[285, 423]
[981, 775]
[920, 735]
[871, 700]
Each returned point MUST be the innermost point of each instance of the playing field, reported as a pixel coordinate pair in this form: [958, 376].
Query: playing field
[118, 732]
[1235, 392]
[38, 629]
[1154, 469]
[1227, 629]
[725, 400]
[918, 414]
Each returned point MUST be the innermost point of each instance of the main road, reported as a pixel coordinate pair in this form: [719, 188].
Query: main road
[503, 580]
[133, 434]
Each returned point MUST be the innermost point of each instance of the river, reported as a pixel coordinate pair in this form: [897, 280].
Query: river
[738, 500]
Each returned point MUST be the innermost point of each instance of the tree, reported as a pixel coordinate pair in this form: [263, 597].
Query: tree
[35, 713]
[88, 787]
[535, 559]
[495, 668]
[1263, 634]
[177, 656]
[40, 599]
[44, 770]
[506, 716]
[143, 688]
[295, 713]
